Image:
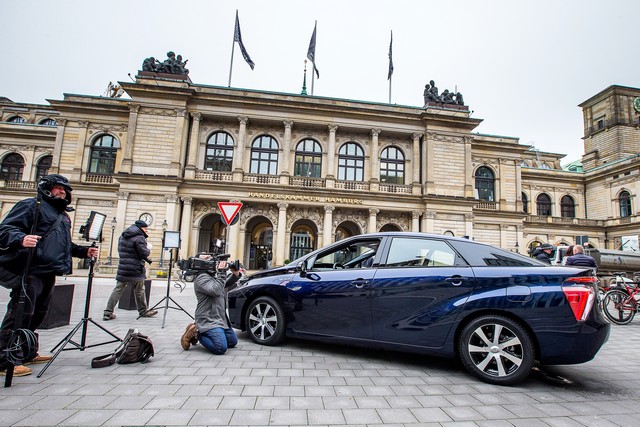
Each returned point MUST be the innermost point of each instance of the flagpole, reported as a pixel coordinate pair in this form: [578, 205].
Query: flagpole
[390, 89]
[233, 46]
[313, 74]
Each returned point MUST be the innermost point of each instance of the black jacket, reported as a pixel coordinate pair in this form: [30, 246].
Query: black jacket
[133, 250]
[581, 260]
[54, 252]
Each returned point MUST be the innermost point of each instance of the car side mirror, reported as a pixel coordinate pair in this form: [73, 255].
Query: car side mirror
[302, 268]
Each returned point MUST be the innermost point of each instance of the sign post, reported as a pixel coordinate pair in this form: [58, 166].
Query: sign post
[230, 216]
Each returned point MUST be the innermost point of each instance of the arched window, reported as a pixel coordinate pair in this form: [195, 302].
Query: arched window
[12, 167]
[351, 162]
[264, 155]
[625, 204]
[308, 159]
[219, 153]
[525, 202]
[567, 207]
[43, 167]
[102, 160]
[16, 119]
[544, 205]
[392, 166]
[48, 122]
[485, 184]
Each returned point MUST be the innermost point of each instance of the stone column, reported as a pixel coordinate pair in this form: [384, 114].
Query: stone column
[234, 240]
[415, 163]
[427, 162]
[76, 175]
[29, 155]
[415, 221]
[57, 149]
[374, 164]
[372, 220]
[281, 233]
[468, 169]
[468, 225]
[286, 153]
[327, 229]
[519, 204]
[121, 215]
[127, 157]
[504, 242]
[520, 239]
[178, 142]
[430, 218]
[238, 160]
[194, 143]
[185, 227]
[331, 157]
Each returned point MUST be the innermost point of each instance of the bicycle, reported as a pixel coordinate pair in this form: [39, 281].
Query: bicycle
[619, 303]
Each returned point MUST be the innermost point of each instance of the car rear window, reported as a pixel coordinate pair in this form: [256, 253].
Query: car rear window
[478, 255]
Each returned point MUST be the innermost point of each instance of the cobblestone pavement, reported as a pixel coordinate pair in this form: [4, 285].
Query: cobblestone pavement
[301, 383]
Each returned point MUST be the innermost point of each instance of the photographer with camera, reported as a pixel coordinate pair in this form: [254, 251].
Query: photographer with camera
[134, 252]
[212, 327]
[41, 223]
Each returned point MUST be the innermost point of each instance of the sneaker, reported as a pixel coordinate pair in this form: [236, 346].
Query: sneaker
[39, 359]
[18, 371]
[149, 313]
[108, 316]
[188, 336]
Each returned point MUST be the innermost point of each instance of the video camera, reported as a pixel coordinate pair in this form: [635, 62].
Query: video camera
[206, 262]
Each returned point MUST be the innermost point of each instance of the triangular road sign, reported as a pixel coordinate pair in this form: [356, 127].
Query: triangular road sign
[229, 210]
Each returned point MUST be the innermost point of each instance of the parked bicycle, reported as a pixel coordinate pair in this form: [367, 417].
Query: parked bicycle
[619, 303]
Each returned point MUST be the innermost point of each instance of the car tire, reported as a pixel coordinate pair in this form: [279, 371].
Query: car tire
[265, 321]
[504, 359]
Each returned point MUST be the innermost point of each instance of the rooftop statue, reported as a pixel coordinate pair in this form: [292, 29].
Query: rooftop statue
[431, 95]
[172, 65]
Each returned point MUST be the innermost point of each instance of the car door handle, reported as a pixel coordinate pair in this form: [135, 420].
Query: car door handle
[455, 280]
[359, 283]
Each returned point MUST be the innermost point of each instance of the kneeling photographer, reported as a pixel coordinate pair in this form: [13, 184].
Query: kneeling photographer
[212, 327]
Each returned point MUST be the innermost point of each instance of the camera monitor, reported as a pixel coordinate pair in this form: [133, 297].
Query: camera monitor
[93, 228]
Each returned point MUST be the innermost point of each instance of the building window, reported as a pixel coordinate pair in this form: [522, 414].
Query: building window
[567, 207]
[48, 122]
[308, 159]
[219, 153]
[392, 166]
[485, 182]
[102, 160]
[544, 205]
[12, 167]
[625, 204]
[351, 162]
[264, 156]
[43, 167]
[525, 202]
[16, 119]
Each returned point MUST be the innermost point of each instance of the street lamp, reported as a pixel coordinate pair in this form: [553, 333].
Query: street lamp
[164, 228]
[517, 247]
[113, 229]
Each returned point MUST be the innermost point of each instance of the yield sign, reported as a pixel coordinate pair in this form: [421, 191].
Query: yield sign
[229, 210]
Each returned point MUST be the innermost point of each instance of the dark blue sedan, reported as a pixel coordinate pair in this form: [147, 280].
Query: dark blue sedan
[495, 310]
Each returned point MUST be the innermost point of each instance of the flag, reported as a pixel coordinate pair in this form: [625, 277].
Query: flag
[311, 53]
[237, 37]
[390, 58]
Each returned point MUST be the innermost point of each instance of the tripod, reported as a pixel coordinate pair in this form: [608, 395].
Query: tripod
[167, 298]
[83, 323]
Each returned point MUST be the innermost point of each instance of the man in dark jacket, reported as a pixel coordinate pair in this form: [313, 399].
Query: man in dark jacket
[544, 254]
[579, 259]
[52, 257]
[134, 252]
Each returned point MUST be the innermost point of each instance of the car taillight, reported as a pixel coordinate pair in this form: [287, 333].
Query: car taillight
[580, 296]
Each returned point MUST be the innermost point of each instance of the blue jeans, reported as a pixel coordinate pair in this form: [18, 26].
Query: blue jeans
[218, 340]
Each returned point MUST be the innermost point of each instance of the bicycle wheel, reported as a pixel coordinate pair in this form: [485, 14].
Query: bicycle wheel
[619, 306]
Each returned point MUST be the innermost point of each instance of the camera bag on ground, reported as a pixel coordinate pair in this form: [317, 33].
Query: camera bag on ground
[135, 347]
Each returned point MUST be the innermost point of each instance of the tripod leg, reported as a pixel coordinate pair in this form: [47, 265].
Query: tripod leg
[152, 308]
[60, 346]
[180, 307]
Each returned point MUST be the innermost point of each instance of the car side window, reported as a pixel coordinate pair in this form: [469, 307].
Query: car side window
[479, 255]
[408, 252]
[354, 255]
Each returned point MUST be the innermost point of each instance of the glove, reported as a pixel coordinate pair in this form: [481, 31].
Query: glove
[148, 261]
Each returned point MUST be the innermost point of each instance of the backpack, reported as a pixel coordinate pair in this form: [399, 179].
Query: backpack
[135, 347]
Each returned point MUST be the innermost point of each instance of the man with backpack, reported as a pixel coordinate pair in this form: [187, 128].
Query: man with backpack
[41, 223]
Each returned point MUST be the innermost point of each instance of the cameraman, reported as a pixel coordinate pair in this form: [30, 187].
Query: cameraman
[212, 327]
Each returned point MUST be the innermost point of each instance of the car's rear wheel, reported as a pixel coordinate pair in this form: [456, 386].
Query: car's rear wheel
[497, 350]
[618, 307]
[265, 321]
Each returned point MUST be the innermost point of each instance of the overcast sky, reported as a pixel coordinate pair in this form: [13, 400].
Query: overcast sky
[523, 66]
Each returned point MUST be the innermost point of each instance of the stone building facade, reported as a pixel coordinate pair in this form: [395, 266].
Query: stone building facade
[309, 170]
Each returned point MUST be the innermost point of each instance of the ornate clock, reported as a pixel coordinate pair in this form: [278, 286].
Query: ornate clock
[636, 104]
[146, 217]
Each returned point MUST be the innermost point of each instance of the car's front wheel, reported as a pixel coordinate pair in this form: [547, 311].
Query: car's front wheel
[265, 321]
[496, 349]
